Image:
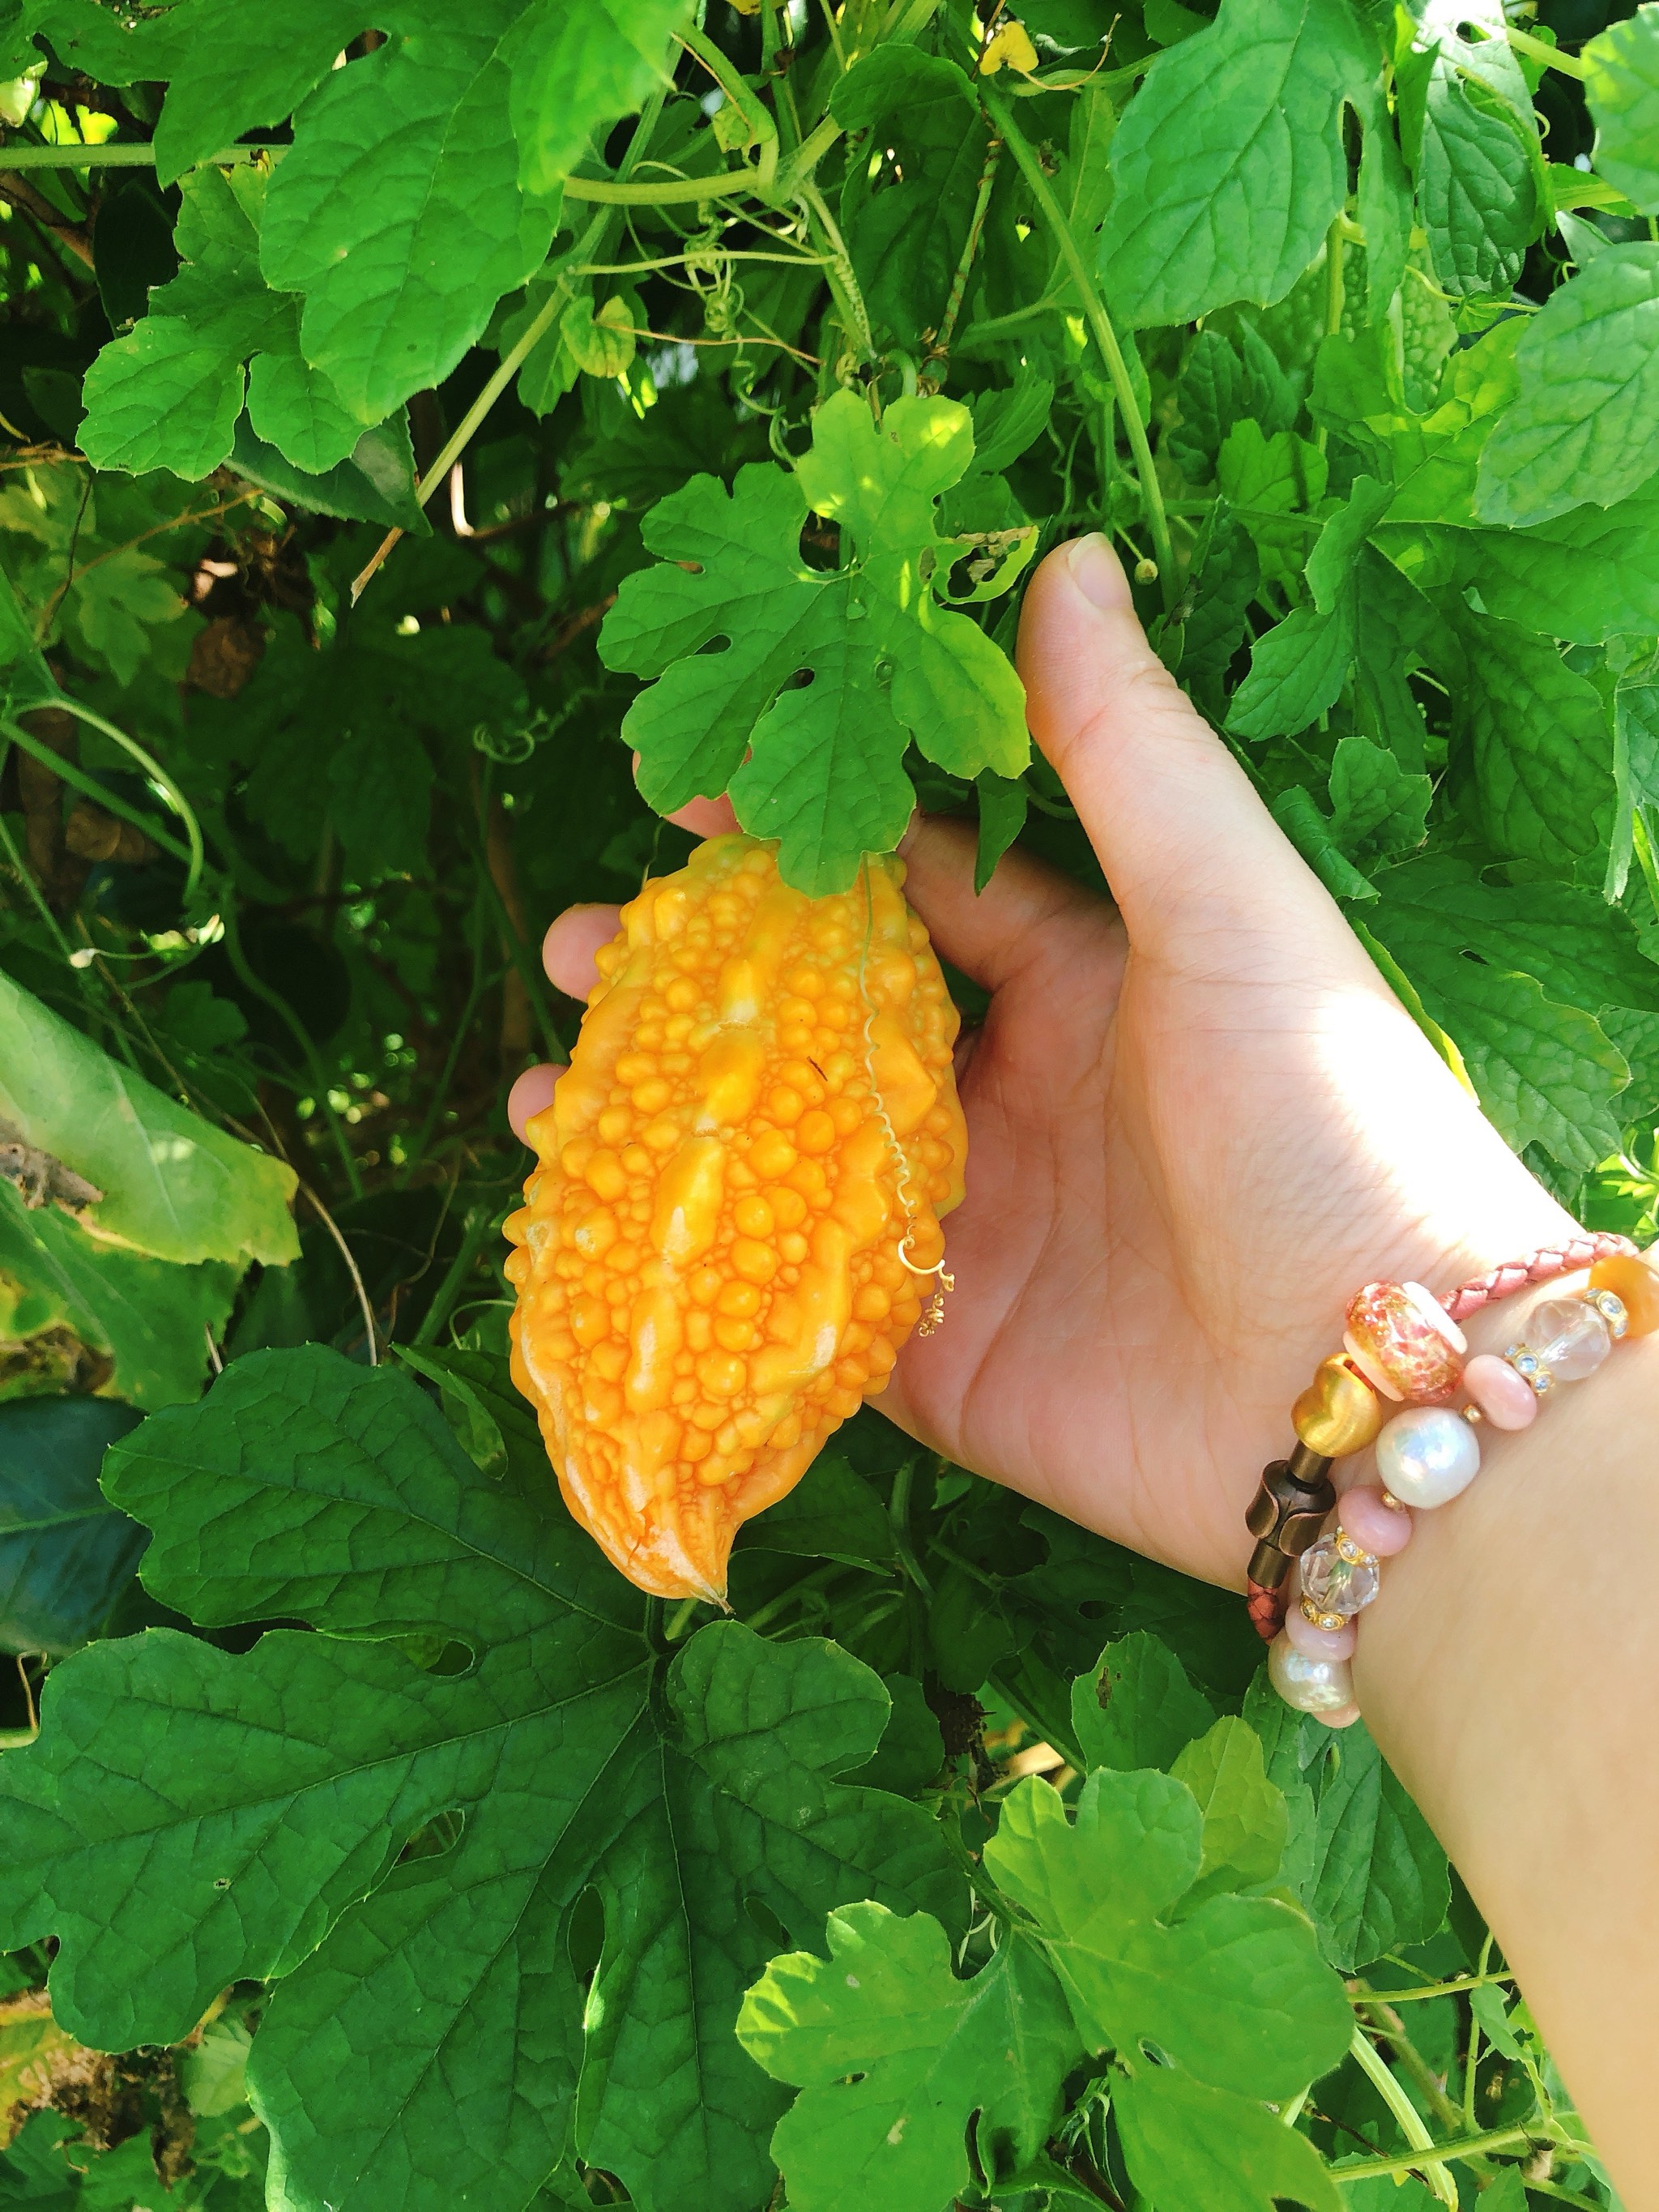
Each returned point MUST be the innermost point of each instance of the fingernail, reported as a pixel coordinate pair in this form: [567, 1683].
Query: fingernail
[1096, 571]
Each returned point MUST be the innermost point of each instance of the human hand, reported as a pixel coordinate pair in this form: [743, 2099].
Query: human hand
[1197, 1120]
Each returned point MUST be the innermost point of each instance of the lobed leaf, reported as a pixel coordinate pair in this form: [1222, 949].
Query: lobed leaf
[901, 2066]
[797, 688]
[189, 1816]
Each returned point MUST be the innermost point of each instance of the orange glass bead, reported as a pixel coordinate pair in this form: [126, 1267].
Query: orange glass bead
[1339, 1413]
[1633, 1281]
[733, 1282]
[1404, 1343]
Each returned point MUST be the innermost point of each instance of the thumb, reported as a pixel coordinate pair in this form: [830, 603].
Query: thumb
[1188, 848]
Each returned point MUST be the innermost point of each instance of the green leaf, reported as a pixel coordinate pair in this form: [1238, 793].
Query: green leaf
[1621, 84]
[1477, 165]
[160, 399]
[173, 1186]
[1002, 805]
[1362, 1858]
[1636, 773]
[832, 1513]
[1378, 809]
[1297, 671]
[1186, 2144]
[1298, 816]
[226, 84]
[1211, 204]
[1588, 574]
[376, 483]
[1226, 570]
[1269, 477]
[897, 2062]
[577, 65]
[907, 229]
[1539, 745]
[601, 344]
[1380, 1879]
[396, 214]
[190, 1816]
[885, 660]
[1245, 1823]
[169, 393]
[1137, 1708]
[114, 48]
[1588, 365]
[145, 1322]
[66, 1554]
[1545, 1069]
[1218, 389]
[1233, 1991]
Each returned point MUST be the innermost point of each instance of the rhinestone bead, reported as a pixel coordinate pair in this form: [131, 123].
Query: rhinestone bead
[1530, 1368]
[1339, 1577]
[1427, 1456]
[1613, 1310]
[1568, 1338]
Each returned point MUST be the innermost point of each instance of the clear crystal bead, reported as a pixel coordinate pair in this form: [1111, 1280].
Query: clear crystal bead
[1569, 1338]
[1335, 1584]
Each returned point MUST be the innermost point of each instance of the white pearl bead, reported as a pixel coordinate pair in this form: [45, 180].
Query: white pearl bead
[1312, 1686]
[1427, 1456]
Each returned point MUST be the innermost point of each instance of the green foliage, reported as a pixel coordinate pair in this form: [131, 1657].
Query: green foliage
[761, 354]
[819, 767]
[66, 1554]
[303, 1489]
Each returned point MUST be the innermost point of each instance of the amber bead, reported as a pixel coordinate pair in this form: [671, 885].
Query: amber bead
[759, 1113]
[1339, 1412]
[1634, 1281]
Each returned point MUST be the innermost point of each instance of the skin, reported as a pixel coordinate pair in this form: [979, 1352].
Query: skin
[1199, 1120]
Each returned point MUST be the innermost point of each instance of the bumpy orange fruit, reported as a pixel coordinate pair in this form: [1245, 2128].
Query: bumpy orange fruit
[759, 1128]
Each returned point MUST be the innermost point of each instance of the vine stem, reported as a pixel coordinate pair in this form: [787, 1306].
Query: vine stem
[1409, 2119]
[1412, 2162]
[364, 1305]
[120, 157]
[503, 373]
[511, 361]
[1539, 50]
[1100, 323]
[112, 802]
[939, 351]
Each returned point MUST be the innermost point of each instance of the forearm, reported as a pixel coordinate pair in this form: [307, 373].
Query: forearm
[1509, 1671]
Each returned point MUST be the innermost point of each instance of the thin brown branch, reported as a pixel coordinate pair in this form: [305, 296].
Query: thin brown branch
[574, 625]
[18, 192]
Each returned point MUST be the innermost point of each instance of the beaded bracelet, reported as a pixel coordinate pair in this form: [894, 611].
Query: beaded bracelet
[1402, 1348]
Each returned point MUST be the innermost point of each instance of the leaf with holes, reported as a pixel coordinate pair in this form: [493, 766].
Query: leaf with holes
[901, 2066]
[733, 618]
[190, 1817]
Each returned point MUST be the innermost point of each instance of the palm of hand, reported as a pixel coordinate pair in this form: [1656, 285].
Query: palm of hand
[1196, 1122]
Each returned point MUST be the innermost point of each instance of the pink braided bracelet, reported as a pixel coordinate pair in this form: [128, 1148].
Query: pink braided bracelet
[1540, 1267]
[1396, 1347]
